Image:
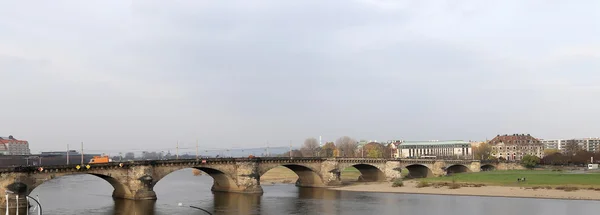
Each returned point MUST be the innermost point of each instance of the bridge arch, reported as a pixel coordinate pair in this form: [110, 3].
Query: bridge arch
[488, 167]
[368, 172]
[222, 180]
[120, 189]
[418, 171]
[457, 168]
[307, 176]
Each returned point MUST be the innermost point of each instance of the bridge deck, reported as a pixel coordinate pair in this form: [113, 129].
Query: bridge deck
[201, 161]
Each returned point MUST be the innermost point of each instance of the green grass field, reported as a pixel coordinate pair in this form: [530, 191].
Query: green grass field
[534, 178]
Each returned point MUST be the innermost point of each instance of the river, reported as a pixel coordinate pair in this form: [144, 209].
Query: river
[86, 194]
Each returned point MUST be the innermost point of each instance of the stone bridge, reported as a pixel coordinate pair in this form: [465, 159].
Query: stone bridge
[135, 180]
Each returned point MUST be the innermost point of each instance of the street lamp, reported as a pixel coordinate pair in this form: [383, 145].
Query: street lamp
[27, 196]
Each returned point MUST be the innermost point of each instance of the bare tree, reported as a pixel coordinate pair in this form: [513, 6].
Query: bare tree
[310, 148]
[328, 150]
[129, 156]
[347, 146]
[483, 151]
[571, 148]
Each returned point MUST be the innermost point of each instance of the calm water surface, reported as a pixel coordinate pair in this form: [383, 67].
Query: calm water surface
[86, 194]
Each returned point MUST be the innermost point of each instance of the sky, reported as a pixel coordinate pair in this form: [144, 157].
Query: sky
[143, 75]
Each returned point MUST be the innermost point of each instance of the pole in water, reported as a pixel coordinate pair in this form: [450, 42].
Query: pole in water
[17, 204]
[181, 204]
[67, 154]
[201, 209]
[7, 208]
[38, 203]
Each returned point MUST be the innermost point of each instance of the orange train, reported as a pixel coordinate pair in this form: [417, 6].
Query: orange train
[100, 159]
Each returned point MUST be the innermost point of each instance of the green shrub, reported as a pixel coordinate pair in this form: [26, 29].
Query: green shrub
[567, 188]
[530, 161]
[398, 183]
[423, 184]
[454, 186]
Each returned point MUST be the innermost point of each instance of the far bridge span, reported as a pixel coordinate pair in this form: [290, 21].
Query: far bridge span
[135, 180]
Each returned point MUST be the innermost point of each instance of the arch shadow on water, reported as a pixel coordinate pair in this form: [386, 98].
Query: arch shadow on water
[126, 206]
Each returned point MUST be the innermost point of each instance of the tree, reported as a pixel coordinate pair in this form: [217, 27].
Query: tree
[328, 150]
[296, 153]
[149, 155]
[387, 151]
[347, 146]
[530, 161]
[550, 152]
[571, 148]
[129, 156]
[310, 147]
[582, 157]
[373, 150]
[483, 151]
[555, 159]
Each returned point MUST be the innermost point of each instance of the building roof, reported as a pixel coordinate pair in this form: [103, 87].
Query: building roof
[5, 140]
[514, 139]
[433, 143]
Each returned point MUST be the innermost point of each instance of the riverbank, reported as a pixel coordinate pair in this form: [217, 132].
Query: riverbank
[410, 187]
[284, 175]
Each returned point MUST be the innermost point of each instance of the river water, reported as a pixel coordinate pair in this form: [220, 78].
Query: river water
[86, 194]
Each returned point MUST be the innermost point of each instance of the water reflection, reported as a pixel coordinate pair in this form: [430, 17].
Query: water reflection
[236, 203]
[125, 206]
[318, 193]
[90, 195]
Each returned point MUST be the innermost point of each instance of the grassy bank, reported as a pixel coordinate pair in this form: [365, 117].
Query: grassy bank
[534, 178]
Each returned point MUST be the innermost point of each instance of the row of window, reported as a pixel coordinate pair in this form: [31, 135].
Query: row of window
[520, 147]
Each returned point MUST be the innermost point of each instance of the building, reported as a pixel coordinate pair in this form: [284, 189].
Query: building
[588, 144]
[454, 149]
[393, 145]
[553, 144]
[514, 147]
[60, 153]
[11, 146]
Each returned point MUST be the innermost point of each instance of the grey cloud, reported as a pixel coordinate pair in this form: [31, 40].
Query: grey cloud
[149, 73]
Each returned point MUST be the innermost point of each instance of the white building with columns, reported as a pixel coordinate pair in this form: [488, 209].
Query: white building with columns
[451, 149]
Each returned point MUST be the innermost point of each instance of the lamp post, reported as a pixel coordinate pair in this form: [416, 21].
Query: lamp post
[26, 196]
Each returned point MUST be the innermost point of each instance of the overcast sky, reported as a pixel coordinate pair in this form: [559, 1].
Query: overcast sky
[122, 75]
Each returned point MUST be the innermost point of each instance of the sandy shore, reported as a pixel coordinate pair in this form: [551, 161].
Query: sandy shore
[498, 191]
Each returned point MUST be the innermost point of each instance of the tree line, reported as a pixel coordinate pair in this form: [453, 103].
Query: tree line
[342, 147]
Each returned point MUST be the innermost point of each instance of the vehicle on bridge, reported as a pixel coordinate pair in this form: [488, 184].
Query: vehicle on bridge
[428, 157]
[100, 159]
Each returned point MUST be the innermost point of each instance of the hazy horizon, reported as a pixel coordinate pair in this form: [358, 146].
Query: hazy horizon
[124, 75]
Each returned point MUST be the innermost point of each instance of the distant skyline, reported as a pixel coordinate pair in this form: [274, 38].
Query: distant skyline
[121, 75]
